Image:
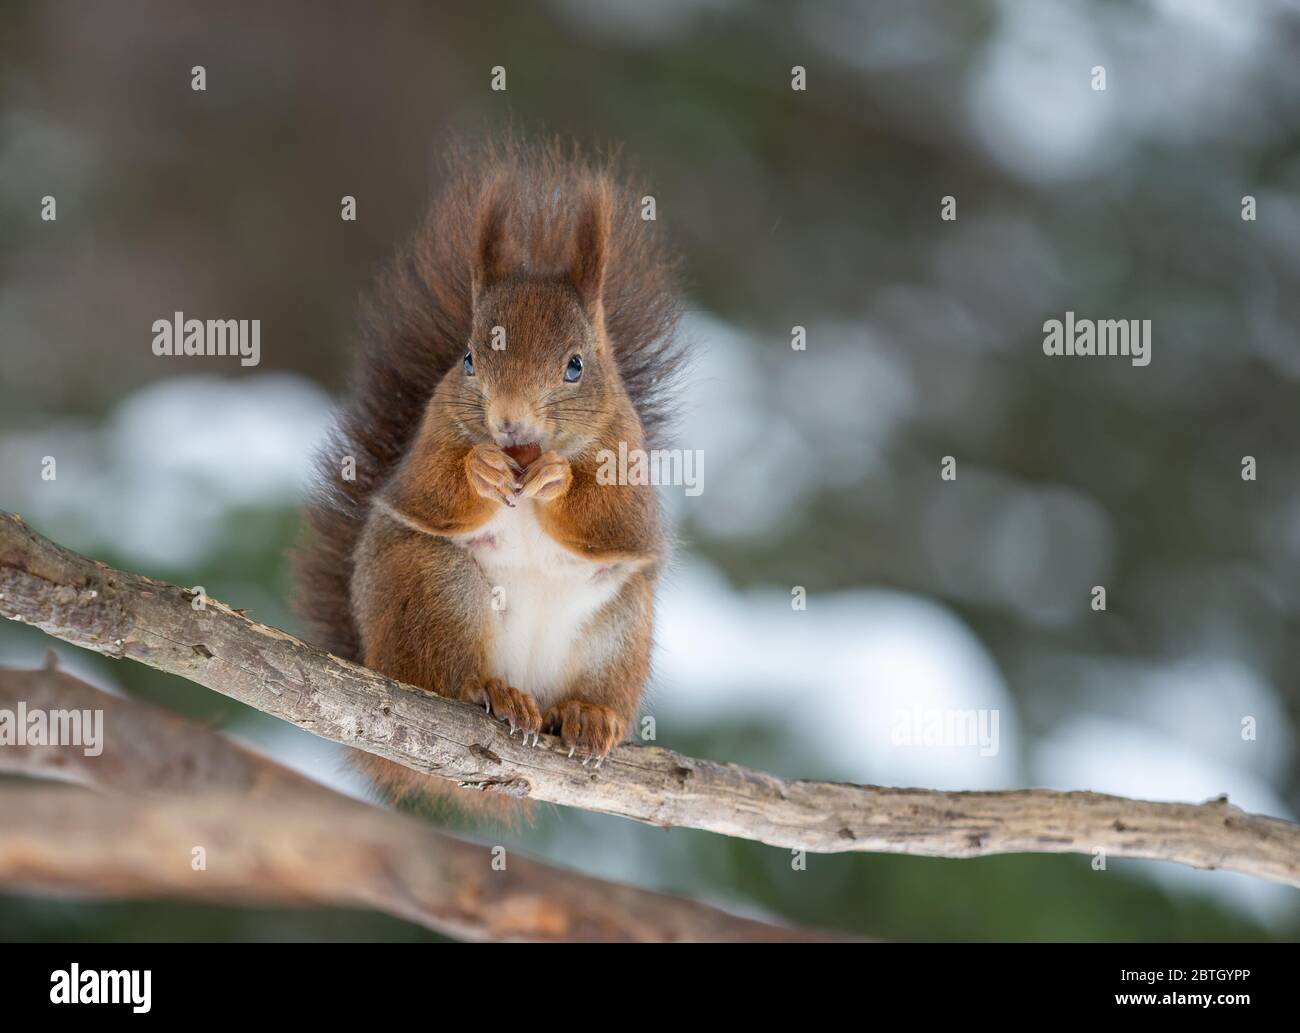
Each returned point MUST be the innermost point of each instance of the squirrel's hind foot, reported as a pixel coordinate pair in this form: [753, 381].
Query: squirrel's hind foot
[506, 703]
[592, 729]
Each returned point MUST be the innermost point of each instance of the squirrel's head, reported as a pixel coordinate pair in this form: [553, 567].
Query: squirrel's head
[538, 369]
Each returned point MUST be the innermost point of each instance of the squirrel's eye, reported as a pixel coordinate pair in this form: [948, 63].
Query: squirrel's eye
[469, 364]
[573, 371]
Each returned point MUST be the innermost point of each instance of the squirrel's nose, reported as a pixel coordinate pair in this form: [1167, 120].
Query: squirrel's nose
[515, 432]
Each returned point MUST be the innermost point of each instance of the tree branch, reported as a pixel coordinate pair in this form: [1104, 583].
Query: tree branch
[270, 835]
[126, 615]
[276, 851]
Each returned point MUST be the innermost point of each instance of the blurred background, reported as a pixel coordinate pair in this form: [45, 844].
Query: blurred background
[819, 209]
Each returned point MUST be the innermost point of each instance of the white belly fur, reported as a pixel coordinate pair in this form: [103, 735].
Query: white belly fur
[545, 595]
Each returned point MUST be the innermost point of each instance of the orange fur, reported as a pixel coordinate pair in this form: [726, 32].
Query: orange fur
[548, 248]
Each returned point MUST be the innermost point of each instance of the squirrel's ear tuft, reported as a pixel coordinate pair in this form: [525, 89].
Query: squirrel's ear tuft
[491, 251]
[591, 243]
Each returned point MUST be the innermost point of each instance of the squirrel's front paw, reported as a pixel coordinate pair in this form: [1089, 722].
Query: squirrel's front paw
[492, 473]
[517, 709]
[548, 477]
[590, 728]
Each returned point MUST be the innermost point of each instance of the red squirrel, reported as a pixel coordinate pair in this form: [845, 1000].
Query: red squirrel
[527, 328]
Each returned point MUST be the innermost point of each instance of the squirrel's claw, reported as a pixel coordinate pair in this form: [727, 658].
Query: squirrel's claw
[589, 729]
[492, 474]
[516, 709]
[547, 478]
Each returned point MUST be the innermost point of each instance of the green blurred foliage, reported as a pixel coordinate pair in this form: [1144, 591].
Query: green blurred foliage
[786, 208]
